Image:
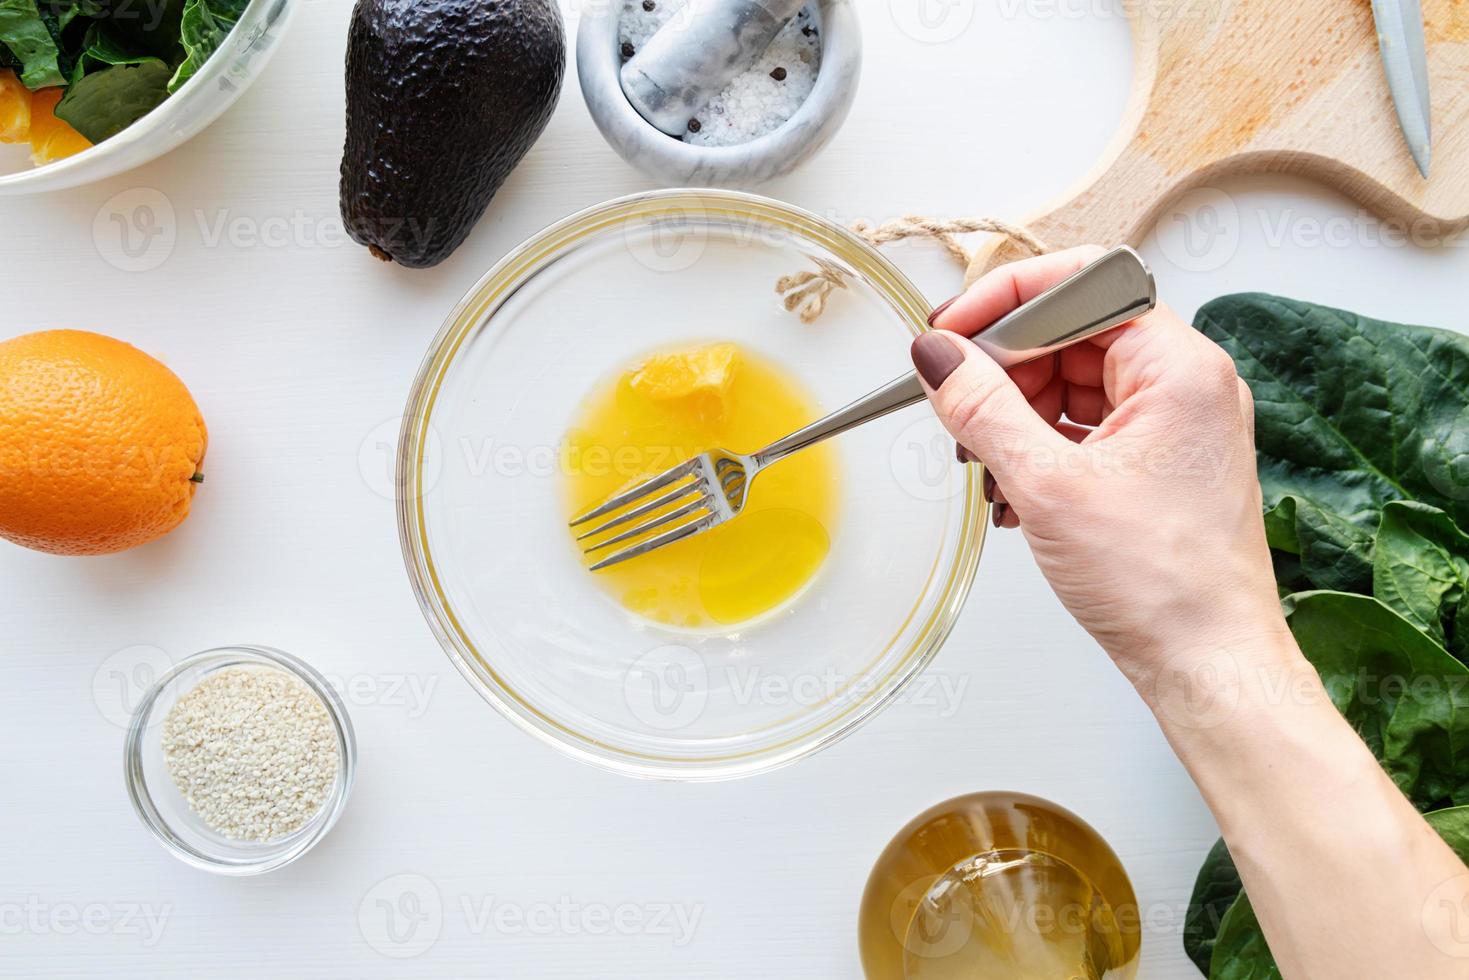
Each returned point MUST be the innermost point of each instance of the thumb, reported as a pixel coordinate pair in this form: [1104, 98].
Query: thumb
[979, 404]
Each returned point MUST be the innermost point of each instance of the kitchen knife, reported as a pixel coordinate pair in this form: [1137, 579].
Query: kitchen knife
[1405, 56]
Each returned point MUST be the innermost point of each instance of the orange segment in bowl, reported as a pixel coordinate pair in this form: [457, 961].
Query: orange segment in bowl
[15, 109]
[51, 138]
[697, 380]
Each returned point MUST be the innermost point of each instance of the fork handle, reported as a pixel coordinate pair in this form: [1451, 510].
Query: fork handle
[1104, 294]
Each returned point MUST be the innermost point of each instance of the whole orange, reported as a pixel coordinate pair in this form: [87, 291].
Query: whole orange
[100, 444]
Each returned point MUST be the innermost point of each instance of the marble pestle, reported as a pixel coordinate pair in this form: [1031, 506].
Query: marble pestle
[697, 53]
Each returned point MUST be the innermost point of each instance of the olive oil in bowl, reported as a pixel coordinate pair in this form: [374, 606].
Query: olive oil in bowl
[998, 886]
[670, 406]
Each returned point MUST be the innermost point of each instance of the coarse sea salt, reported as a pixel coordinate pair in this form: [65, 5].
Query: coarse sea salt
[757, 101]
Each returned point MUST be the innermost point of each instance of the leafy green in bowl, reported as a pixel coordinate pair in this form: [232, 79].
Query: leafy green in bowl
[115, 60]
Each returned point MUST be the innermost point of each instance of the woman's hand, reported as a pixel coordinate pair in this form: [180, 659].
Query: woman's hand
[1127, 461]
[1129, 464]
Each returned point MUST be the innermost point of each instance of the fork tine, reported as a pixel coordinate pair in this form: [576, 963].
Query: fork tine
[702, 501]
[642, 489]
[653, 544]
[648, 508]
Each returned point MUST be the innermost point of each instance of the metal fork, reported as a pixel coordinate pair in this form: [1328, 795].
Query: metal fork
[704, 492]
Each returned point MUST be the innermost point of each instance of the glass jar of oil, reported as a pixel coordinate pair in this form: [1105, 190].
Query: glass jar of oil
[999, 886]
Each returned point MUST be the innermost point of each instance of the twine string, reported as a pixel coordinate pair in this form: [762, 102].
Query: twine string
[806, 293]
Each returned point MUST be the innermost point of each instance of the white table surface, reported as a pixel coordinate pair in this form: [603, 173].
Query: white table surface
[300, 349]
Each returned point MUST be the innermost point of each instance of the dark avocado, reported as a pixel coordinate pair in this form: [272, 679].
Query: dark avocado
[444, 99]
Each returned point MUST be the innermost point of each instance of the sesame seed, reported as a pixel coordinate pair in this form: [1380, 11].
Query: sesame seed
[253, 750]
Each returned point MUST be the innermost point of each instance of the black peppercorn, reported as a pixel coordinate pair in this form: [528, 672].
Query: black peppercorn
[779, 74]
[628, 50]
[695, 125]
[649, 6]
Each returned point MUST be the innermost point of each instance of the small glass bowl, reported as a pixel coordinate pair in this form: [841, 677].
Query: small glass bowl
[163, 808]
[183, 115]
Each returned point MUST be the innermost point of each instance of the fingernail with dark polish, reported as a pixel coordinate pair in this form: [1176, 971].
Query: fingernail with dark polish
[936, 356]
[940, 308]
[989, 486]
[997, 513]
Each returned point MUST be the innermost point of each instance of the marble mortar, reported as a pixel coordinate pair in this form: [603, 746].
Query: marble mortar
[676, 163]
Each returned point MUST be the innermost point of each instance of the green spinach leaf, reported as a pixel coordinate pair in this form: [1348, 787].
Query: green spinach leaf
[102, 103]
[28, 37]
[1453, 826]
[1402, 692]
[205, 25]
[1420, 568]
[1241, 953]
[1215, 890]
[1351, 414]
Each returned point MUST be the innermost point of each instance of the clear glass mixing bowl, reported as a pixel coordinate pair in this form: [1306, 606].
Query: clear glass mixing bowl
[200, 101]
[482, 514]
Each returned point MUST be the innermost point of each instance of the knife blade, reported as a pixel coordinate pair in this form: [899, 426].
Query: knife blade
[1405, 57]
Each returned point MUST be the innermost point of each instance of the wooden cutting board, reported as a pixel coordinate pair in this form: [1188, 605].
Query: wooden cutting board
[1229, 87]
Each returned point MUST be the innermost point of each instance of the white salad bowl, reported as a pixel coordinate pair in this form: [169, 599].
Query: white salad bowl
[184, 114]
